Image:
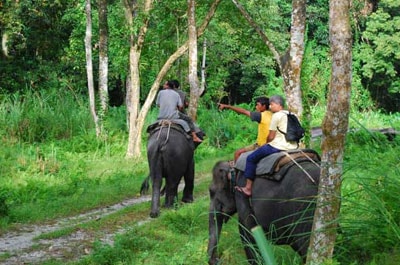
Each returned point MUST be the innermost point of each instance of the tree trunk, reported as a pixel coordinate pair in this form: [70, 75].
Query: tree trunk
[203, 68]
[136, 44]
[292, 60]
[193, 79]
[89, 65]
[128, 97]
[103, 58]
[135, 145]
[289, 63]
[334, 129]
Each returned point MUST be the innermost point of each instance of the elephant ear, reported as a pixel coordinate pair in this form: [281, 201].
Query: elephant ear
[220, 176]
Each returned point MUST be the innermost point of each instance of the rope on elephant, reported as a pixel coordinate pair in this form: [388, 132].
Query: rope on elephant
[294, 161]
[163, 123]
[309, 158]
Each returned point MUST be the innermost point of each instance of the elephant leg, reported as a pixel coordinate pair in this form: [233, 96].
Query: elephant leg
[247, 221]
[301, 241]
[171, 193]
[155, 199]
[170, 200]
[250, 247]
[189, 184]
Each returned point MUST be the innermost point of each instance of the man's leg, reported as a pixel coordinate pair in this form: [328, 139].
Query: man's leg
[191, 126]
[251, 165]
[244, 150]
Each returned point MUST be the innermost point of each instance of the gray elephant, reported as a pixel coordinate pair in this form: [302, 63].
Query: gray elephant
[170, 152]
[282, 201]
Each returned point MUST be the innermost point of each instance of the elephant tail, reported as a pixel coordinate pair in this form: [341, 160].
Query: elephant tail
[144, 189]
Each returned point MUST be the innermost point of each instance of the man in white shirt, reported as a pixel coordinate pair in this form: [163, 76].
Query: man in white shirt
[276, 142]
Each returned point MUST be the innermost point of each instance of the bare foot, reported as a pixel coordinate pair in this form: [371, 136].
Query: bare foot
[197, 139]
[244, 190]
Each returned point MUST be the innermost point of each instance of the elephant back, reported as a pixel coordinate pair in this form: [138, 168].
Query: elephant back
[177, 125]
[275, 166]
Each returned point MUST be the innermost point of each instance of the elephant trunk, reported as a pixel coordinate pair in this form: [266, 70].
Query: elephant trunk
[215, 221]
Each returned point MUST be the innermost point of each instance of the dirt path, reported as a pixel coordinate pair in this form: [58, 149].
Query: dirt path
[21, 247]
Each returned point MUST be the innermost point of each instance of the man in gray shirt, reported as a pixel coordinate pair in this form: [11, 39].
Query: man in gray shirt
[182, 94]
[170, 103]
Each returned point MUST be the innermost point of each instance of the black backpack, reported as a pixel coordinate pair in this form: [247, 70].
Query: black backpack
[294, 130]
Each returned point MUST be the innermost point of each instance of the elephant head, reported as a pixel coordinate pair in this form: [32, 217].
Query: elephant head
[222, 205]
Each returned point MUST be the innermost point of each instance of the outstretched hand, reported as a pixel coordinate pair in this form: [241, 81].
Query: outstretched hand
[221, 106]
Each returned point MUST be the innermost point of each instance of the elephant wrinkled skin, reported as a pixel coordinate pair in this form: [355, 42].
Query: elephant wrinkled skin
[284, 209]
[170, 155]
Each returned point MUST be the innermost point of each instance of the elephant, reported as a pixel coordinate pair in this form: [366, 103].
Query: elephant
[170, 151]
[282, 202]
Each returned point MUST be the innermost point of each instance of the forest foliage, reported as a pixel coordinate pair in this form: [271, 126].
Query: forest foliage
[43, 49]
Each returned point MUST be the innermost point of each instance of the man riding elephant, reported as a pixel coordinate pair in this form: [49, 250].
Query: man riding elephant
[262, 116]
[169, 102]
[276, 142]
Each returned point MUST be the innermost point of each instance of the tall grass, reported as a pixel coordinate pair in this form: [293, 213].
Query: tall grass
[370, 215]
[39, 116]
[225, 131]
[51, 162]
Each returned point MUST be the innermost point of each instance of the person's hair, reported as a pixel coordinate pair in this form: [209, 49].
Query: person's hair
[170, 84]
[263, 101]
[278, 100]
[175, 83]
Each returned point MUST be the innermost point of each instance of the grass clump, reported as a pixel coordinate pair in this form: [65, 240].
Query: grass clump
[370, 217]
[39, 116]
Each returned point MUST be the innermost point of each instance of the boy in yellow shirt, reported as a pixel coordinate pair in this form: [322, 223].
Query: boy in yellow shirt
[262, 116]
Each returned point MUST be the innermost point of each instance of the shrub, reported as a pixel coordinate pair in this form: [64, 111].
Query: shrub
[3, 205]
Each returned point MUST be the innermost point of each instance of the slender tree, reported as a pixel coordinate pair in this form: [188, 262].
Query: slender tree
[136, 41]
[89, 65]
[193, 78]
[288, 63]
[134, 145]
[103, 57]
[203, 67]
[292, 60]
[334, 129]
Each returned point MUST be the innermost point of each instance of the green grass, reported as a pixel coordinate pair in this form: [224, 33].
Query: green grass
[370, 219]
[176, 237]
[36, 195]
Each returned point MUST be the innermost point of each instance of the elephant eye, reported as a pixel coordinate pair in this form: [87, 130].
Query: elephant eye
[212, 192]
